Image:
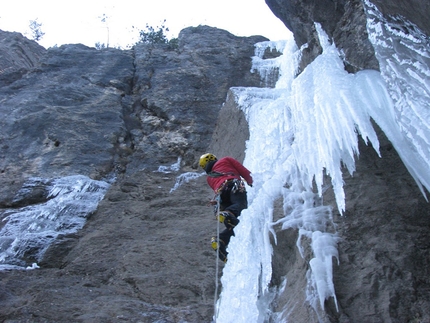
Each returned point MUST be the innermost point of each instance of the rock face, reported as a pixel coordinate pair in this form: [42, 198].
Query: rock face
[383, 273]
[118, 102]
[345, 23]
[180, 92]
[415, 11]
[384, 251]
[144, 256]
[50, 118]
[18, 55]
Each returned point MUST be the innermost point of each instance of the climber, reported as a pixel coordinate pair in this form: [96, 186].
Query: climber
[225, 178]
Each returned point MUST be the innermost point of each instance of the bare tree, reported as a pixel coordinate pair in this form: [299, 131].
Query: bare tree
[36, 30]
[104, 19]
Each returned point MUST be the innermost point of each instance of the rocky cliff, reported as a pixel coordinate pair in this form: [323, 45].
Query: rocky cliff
[144, 256]
[382, 275]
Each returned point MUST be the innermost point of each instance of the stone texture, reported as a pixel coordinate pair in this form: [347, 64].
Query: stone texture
[181, 92]
[145, 254]
[86, 111]
[17, 56]
[416, 11]
[384, 255]
[231, 124]
[64, 118]
[384, 251]
[345, 23]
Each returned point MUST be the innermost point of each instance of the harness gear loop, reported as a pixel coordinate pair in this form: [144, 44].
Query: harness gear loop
[236, 185]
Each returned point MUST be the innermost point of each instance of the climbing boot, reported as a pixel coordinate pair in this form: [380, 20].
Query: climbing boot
[228, 218]
[218, 244]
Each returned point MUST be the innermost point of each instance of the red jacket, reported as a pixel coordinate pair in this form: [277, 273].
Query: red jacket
[231, 168]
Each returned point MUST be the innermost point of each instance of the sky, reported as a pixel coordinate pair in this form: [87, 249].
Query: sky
[80, 21]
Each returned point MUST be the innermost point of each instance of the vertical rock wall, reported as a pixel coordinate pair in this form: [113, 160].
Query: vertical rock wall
[384, 253]
[343, 21]
[145, 255]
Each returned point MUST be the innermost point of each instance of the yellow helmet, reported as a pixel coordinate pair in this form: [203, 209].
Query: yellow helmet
[206, 158]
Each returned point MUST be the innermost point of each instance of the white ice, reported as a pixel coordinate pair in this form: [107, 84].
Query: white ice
[181, 179]
[404, 59]
[308, 126]
[185, 178]
[172, 168]
[72, 200]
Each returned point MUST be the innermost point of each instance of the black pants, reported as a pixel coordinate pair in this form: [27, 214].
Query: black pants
[234, 202]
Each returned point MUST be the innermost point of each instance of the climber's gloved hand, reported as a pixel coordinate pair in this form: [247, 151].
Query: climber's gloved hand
[212, 202]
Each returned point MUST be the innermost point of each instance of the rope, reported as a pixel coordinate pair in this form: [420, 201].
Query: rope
[216, 260]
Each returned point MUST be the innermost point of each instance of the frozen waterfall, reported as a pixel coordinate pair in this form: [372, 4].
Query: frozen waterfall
[30, 230]
[309, 126]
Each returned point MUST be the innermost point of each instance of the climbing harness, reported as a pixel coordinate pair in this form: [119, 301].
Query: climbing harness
[238, 186]
[234, 184]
